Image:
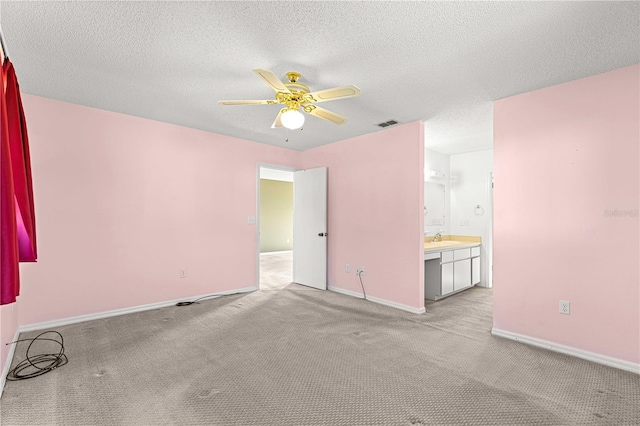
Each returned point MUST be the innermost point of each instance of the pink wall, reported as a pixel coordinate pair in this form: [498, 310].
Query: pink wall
[122, 203]
[563, 156]
[375, 200]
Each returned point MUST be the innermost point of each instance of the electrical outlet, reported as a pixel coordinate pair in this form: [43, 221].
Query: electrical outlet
[183, 273]
[464, 222]
[360, 270]
[565, 307]
[347, 268]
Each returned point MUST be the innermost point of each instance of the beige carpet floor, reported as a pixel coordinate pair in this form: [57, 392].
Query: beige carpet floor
[299, 356]
[276, 270]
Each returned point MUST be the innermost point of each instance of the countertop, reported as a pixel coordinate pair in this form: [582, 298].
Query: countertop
[447, 245]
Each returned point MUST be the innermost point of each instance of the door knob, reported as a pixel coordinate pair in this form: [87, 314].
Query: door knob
[322, 234]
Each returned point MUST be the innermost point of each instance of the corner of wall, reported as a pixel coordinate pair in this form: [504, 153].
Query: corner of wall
[8, 331]
[375, 220]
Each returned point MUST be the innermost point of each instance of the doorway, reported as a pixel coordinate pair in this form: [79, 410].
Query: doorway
[275, 227]
[309, 233]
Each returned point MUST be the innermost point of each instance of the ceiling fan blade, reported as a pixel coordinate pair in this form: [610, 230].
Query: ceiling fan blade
[334, 93]
[277, 122]
[272, 80]
[325, 114]
[246, 102]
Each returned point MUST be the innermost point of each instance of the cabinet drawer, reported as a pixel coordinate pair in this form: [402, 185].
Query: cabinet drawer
[429, 256]
[475, 251]
[447, 256]
[462, 254]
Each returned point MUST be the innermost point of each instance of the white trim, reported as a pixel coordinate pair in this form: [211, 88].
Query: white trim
[123, 311]
[7, 364]
[568, 350]
[378, 300]
[347, 292]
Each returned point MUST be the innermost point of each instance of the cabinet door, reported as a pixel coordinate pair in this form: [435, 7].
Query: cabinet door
[461, 274]
[447, 278]
[432, 282]
[475, 270]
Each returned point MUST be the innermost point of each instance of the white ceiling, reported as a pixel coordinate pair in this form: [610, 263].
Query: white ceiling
[441, 62]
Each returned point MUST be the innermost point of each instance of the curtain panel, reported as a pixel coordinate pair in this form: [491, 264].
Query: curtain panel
[17, 216]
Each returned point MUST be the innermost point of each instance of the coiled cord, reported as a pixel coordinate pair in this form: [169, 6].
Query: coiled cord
[34, 366]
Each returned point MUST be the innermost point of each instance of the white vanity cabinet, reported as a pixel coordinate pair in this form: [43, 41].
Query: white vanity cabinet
[449, 271]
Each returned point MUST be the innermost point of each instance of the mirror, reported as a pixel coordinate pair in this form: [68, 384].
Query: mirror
[434, 212]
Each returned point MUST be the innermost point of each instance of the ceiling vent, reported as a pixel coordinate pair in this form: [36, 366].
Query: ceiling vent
[387, 123]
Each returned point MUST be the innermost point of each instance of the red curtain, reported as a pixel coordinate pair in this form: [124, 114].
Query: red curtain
[17, 218]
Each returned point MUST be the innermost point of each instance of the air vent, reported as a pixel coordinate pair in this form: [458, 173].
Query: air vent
[387, 123]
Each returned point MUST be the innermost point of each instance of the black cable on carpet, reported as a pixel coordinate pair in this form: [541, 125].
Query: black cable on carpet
[34, 366]
[212, 296]
[363, 292]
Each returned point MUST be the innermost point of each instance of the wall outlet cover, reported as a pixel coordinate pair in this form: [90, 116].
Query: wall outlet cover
[565, 307]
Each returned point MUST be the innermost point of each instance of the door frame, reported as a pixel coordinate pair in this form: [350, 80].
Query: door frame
[258, 167]
[489, 249]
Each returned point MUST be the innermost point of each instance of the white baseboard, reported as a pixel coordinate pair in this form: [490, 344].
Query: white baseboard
[568, 350]
[378, 300]
[7, 364]
[123, 311]
[347, 292]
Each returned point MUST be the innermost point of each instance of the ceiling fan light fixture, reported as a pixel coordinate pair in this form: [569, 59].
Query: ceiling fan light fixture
[292, 119]
[293, 95]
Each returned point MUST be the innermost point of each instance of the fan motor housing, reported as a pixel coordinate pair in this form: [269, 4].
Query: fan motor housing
[297, 87]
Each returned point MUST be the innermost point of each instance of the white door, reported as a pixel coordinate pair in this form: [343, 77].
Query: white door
[310, 227]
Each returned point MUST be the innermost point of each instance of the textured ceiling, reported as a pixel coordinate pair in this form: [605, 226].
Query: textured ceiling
[441, 62]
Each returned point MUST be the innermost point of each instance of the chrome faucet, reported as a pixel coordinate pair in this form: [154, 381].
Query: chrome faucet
[437, 238]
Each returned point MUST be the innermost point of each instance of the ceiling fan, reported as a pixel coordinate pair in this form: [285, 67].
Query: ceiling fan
[295, 96]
